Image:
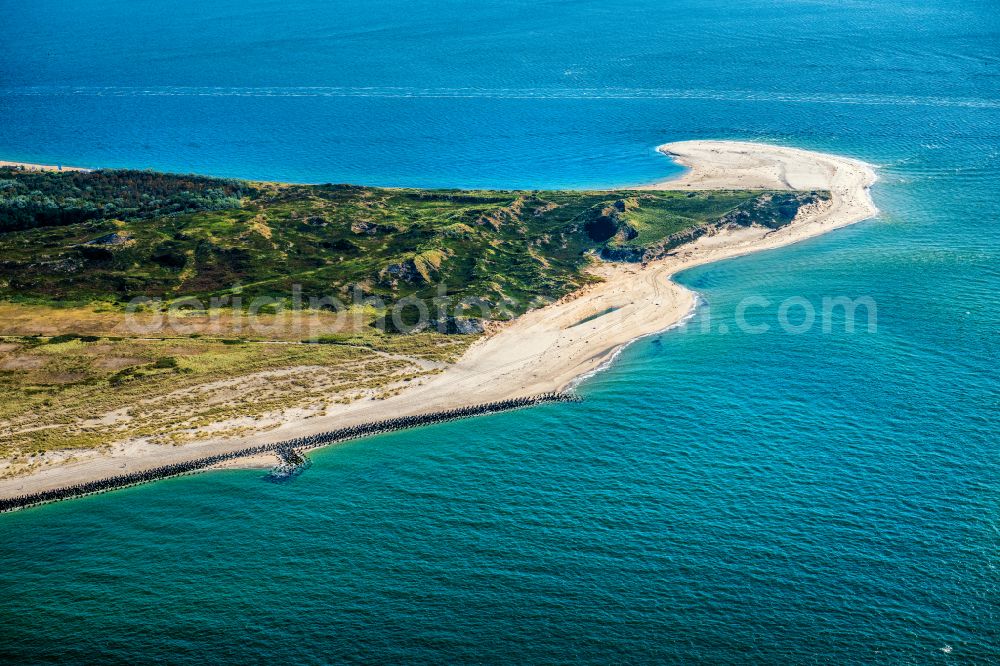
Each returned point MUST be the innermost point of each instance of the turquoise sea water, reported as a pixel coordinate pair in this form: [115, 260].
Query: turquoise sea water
[719, 497]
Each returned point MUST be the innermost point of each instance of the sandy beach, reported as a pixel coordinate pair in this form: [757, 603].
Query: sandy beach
[552, 348]
[28, 166]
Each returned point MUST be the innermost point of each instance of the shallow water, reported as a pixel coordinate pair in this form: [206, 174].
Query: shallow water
[719, 496]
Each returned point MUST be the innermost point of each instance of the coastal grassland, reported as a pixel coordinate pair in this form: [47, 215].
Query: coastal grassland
[655, 218]
[76, 248]
[68, 392]
[107, 320]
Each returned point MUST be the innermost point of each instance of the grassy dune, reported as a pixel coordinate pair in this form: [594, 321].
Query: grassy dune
[66, 392]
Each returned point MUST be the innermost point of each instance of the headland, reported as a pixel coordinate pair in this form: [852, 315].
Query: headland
[549, 349]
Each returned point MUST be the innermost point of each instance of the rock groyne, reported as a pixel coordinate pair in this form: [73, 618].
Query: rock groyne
[290, 452]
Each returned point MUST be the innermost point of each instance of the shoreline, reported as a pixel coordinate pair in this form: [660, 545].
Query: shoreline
[31, 166]
[548, 350]
[287, 454]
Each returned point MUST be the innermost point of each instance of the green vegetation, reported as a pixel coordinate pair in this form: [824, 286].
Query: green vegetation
[115, 235]
[648, 228]
[75, 247]
[70, 393]
[671, 212]
[31, 199]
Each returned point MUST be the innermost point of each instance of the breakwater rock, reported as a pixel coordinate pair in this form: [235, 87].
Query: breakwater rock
[291, 463]
[288, 451]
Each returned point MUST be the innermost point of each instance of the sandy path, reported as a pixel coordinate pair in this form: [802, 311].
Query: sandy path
[547, 349]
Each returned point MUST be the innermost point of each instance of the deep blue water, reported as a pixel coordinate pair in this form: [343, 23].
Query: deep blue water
[720, 497]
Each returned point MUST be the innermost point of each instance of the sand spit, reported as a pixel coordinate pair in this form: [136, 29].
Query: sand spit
[548, 349]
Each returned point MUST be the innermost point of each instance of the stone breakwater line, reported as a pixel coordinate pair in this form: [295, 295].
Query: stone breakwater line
[288, 451]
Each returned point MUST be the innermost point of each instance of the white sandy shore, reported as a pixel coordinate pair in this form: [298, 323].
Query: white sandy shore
[28, 166]
[548, 349]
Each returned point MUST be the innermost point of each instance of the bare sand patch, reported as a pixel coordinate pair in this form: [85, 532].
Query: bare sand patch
[113, 363]
[29, 166]
[22, 363]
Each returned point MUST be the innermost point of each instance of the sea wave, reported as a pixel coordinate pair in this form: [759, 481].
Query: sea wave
[404, 92]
